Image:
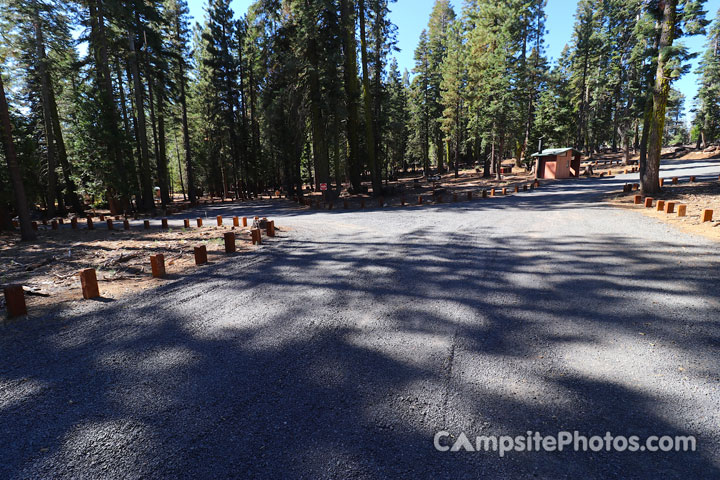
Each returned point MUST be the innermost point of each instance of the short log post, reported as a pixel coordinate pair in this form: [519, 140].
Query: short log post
[200, 255]
[236, 221]
[146, 224]
[637, 199]
[256, 236]
[707, 215]
[164, 224]
[73, 223]
[89, 284]
[648, 202]
[157, 264]
[126, 224]
[54, 224]
[186, 223]
[469, 195]
[219, 220]
[229, 242]
[199, 221]
[670, 207]
[90, 225]
[110, 224]
[681, 210]
[244, 221]
[15, 300]
[271, 228]
[660, 205]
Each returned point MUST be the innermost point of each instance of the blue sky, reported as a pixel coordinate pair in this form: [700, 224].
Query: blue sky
[411, 16]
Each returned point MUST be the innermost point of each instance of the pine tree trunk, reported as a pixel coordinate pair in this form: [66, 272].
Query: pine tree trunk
[650, 175]
[113, 139]
[352, 90]
[52, 188]
[70, 187]
[26, 231]
[320, 149]
[148, 203]
[367, 97]
[162, 151]
[186, 138]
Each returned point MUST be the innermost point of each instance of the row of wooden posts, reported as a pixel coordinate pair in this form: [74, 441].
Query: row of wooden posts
[15, 295]
[669, 207]
[126, 223]
[493, 192]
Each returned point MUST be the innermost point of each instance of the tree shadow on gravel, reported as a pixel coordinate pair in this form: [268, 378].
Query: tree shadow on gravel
[341, 358]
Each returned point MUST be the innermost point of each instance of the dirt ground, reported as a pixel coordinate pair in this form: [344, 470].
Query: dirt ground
[47, 268]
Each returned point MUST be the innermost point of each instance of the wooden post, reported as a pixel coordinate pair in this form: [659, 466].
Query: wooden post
[244, 221]
[504, 191]
[681, 210]
[54, 224]
[236, 222]
[186, 223]
[648, 202]
[157, 263]
[525, 187]
[419, 201]
[61, 221]
[126, 224]
[637, 199]
[402, 201]
[15, 300]
[90, 225]
[660, 205]
[492, 192]
[692, 179]
[219, 220]
[146, 224]
[674, 180]
[662, 182]
[73, 223]
[102, 218]
[229, 242]
[707, 215]
[670, 207]
[88, 282]
[517, 189]
[199, 222]
[164, 224]
[256, 236]
[110, 224]
[200, 255]
[271, 228]
[469, 195]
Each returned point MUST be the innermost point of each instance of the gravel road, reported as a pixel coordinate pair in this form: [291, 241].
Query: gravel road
[339, 349]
